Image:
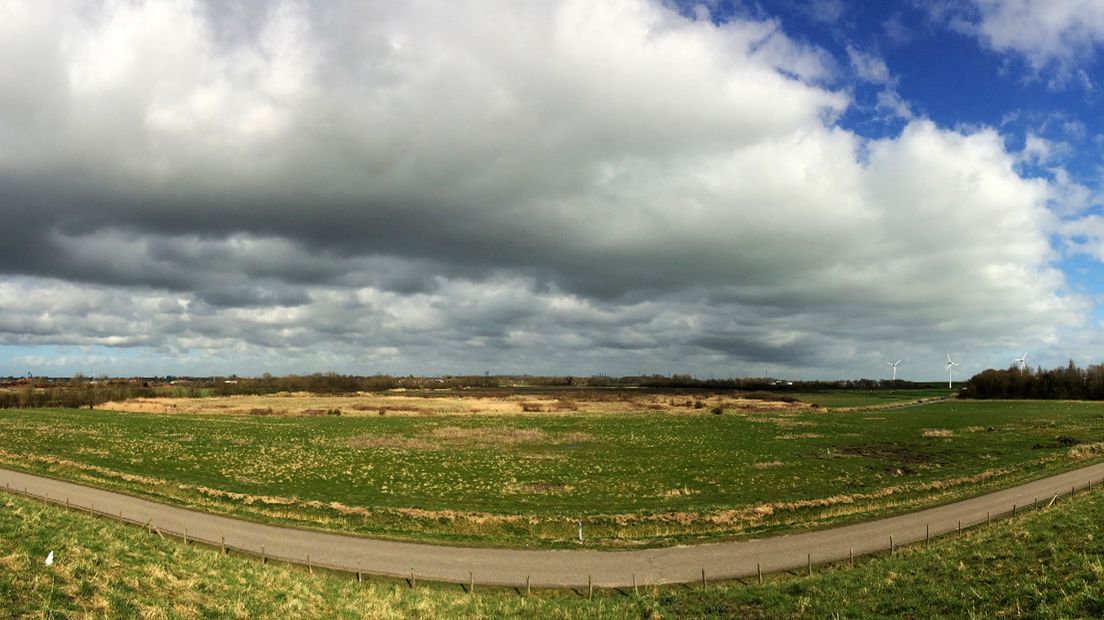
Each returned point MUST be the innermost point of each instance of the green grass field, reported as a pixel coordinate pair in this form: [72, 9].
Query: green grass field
[837, 399]
[1044, 564]
[644, 479]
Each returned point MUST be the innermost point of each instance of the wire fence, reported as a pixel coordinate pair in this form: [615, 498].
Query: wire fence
[361, 574]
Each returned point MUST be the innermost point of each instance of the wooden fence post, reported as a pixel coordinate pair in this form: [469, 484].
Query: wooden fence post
[809, 558]
[529, 591]
[927, 534]
[851, 557]
[759, 572]
[590, 587]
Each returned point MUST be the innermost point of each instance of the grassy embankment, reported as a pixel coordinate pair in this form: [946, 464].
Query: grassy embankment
[643, 479]
[1044, 564]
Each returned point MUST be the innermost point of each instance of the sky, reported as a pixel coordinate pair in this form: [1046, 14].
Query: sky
[805, 189]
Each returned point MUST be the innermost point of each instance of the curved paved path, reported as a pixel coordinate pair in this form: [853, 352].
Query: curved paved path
[555, 568]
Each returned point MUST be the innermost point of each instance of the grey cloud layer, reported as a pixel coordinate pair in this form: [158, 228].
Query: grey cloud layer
[535, 185]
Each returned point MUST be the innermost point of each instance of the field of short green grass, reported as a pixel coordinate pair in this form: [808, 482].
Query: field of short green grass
[644, 479]
[836, 399]
[1042, 564]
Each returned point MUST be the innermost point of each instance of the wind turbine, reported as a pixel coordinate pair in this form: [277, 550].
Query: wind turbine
[1022, 362]
[894, 366]
[950, 370]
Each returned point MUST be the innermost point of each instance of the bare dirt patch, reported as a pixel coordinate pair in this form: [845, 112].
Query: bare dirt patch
[892, 453]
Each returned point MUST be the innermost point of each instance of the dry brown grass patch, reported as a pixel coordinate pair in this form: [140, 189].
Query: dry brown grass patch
[1087, 450]
[504, 436]
[937, 433]
[539, 488]
[453, 403]
[394, 443]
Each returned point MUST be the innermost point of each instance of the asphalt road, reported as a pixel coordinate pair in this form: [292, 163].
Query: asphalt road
[556, 568]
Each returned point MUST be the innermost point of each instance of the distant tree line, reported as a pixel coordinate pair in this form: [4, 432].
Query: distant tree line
[1066, 383]
[776, 385]
[74, 395]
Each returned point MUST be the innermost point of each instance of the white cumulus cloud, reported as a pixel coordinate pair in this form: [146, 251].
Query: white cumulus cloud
[546, 187]
[1051, 33]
